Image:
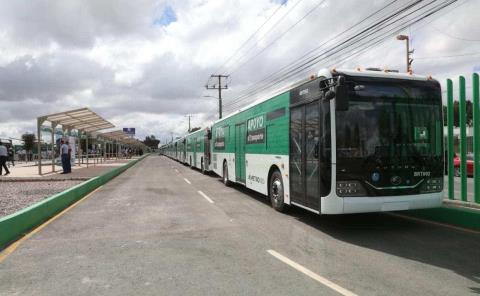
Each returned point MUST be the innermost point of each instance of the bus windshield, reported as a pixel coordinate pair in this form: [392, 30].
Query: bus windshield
[391, 120]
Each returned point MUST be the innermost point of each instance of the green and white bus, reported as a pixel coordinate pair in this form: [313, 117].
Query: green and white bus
[198, 149]
[347, 141]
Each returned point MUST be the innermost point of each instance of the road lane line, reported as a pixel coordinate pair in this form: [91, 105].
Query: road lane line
[205, 196]
[311, 274]
[186, 180]
[177, 171]
[10, 249]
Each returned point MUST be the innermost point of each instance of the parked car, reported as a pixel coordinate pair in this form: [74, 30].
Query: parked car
[456, 165]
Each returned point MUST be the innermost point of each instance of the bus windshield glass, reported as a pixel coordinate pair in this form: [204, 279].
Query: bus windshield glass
[390, 120]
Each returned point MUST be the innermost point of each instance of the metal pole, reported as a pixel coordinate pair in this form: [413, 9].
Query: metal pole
[54, 126]
[104, 149]
[450, 139]
[219, 97]
[463, 139]
[408, 54]
[476, 137]
[39, 145]
[86, 146]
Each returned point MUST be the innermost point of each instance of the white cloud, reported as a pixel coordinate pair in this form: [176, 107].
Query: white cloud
[119, 59]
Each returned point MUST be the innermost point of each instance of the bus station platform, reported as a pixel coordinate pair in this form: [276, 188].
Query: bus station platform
[24, 187]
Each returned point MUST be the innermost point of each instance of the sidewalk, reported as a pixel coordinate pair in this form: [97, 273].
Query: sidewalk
[29, 171]
[24, 187]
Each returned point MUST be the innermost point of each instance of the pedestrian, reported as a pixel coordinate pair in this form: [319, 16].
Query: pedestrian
[11, 155]
[3, 159]
[69, 158]
[64, 156]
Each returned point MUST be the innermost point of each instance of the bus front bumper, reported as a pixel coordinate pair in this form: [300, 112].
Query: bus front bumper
[364, 204]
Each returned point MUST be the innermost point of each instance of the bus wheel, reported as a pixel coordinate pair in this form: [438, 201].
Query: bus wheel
[225, 174]
[276, 193]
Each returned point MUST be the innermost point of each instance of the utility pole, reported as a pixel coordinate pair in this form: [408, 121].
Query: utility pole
[189, 116]
[409, 52]
[218, 86]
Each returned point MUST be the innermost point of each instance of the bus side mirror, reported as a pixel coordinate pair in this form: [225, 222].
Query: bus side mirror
[341, 95]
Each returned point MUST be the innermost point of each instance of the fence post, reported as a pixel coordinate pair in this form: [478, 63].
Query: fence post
[476, 137]
[450, 151]
[463, 139]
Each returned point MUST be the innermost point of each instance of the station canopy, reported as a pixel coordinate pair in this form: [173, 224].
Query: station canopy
[82, 119]
[122, 137]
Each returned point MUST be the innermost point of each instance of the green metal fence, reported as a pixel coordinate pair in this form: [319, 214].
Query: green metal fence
[462, 110]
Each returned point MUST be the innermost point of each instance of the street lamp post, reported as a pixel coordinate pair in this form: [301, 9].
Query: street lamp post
[409, 52]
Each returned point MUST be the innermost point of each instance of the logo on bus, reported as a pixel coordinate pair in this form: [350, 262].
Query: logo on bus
[256, 130]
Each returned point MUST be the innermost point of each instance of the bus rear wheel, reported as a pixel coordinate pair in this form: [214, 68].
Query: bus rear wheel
[276, 192]
[225, 174]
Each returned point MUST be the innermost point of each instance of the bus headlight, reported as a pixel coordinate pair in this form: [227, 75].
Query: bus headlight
[350, 188]
[432, 185]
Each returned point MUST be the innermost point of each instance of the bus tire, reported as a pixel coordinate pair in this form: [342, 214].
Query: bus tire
[225, 174]
[276, 192]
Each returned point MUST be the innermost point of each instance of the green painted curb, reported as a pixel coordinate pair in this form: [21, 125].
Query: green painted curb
[14, 226]
[457, 216]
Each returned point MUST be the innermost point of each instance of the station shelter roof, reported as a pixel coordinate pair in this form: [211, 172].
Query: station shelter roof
[122, 137]
[82, 119]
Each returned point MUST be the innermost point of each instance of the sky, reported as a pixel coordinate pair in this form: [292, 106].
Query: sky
[145, 63]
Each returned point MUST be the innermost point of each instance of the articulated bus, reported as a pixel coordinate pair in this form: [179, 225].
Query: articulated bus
[347, 141]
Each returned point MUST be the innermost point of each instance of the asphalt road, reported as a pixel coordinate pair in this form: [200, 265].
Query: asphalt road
[161, 228]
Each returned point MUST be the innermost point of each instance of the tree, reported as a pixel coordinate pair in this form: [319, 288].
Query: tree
[151, 141]
[28, 141]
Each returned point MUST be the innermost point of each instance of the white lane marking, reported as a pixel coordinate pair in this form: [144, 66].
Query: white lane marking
[177, 171]
[205, 196]
[311, 274]
[186, 180]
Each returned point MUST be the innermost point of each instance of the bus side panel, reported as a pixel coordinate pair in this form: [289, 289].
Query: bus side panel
[258, 167]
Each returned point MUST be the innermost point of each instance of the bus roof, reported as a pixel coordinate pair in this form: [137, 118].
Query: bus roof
[329, 73]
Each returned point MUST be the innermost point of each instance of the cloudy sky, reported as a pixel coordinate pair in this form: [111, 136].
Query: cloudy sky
[144, 63]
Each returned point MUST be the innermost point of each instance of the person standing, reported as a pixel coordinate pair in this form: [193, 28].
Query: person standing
[3, 159]
[64, 156]
[69, 158]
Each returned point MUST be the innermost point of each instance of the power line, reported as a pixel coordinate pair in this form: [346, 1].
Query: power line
[455, 37]
[299, 60]
[220, 87]
[333, 49]
[249, 38]
[448, 56]
[278, 38]
[422, 16]
[268, 31]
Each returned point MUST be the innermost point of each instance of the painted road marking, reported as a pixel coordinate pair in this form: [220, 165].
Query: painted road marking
[186, 180]
[205, 196]
[311, 274]
[10, 249]
[177, 171]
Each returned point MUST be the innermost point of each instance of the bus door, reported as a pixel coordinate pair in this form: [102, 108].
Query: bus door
[206, 150]
[304, 155]
[240, 152]
[194, 161]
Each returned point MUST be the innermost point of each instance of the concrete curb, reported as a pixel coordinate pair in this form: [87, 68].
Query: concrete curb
[15, 225]
[457, 216]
